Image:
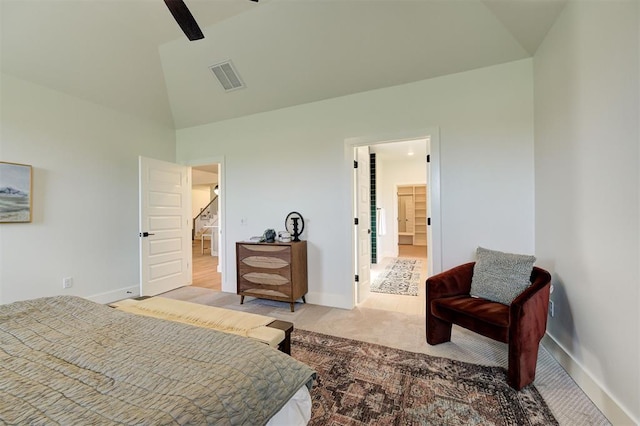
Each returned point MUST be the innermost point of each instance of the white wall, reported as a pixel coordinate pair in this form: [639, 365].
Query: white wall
[295, 159]
[200, 197]
[85, 192]
[389, 174]
[586, 153]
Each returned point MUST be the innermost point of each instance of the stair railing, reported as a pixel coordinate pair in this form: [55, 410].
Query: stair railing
[207, 212]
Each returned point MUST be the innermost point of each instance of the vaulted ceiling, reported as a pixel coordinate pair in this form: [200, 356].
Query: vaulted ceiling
[131, 55]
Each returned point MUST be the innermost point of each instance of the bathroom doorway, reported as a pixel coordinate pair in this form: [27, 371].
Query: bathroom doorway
[400, 267]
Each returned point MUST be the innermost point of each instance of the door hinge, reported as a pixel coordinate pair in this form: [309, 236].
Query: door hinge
[429, 221]
[355, 164]
[357, 278]
[428, 158]
[355, 221]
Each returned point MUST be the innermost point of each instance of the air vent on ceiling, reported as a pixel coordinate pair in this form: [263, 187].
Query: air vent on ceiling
[227, 76]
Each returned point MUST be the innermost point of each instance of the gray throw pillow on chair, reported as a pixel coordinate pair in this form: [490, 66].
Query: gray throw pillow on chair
[500, 277]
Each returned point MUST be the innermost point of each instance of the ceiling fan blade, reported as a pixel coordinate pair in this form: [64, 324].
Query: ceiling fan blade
[185, 19]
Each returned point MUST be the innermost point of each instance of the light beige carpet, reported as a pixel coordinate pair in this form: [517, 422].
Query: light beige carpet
[566, 400]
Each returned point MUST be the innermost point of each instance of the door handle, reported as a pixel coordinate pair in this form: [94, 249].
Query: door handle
[145, 234]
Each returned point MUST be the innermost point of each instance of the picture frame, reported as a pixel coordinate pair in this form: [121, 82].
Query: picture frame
[15, 192]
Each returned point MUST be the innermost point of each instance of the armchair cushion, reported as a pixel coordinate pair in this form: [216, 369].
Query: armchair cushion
[490, 319]
[500, 277]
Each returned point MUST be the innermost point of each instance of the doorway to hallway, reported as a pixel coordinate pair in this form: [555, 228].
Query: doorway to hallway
[205, 268]
[206, 224]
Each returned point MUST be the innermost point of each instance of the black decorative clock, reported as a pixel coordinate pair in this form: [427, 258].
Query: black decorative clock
[294, 224]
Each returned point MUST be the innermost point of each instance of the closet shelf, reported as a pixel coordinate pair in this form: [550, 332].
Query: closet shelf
[414, 217]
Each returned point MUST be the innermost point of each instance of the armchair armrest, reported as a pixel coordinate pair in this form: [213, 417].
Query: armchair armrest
[454, 282]
[527, 325]
[535, 299]
[528, 311]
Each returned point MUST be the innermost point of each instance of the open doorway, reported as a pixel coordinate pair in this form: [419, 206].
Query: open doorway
[400, 234]
[206, 226]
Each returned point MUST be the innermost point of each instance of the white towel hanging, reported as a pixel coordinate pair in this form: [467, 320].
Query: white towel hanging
[381, 223]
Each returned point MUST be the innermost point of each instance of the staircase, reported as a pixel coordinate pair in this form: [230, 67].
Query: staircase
[207, 217]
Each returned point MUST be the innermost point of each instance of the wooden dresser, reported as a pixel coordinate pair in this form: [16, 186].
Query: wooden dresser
[276, 271]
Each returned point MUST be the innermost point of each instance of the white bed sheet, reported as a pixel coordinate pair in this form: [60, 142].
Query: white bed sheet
[297, 411]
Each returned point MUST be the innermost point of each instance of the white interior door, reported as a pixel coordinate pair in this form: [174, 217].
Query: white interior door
[363, 229]
[165, 226]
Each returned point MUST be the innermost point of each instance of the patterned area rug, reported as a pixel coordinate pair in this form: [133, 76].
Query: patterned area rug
[400, 277]
[361, 383]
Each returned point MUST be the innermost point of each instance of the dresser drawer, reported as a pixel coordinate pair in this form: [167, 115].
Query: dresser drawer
[275, 271]
[265, 270]
[265, 251]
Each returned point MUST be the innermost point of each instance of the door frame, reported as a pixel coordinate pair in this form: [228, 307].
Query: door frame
[434, 231]
[222, 228]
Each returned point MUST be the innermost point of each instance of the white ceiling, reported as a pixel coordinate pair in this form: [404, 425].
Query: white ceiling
[132, 56]
[203, 176]
[400, 151]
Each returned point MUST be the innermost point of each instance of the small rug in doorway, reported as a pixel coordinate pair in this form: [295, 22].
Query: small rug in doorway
[400, 277]
[361, 383]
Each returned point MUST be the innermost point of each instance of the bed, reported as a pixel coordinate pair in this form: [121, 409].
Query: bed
[68, 360]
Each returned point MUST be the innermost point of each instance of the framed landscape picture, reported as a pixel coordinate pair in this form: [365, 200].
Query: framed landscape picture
[15, 192]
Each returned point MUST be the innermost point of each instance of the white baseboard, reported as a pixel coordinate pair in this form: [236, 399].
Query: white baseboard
[324, 299]
[119, 294]
[607, 404]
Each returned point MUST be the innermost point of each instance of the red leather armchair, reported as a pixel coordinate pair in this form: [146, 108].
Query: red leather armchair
[521, 325]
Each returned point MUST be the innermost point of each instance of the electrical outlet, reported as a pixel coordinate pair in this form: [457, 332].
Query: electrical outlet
[67, 282]
[552, 310]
